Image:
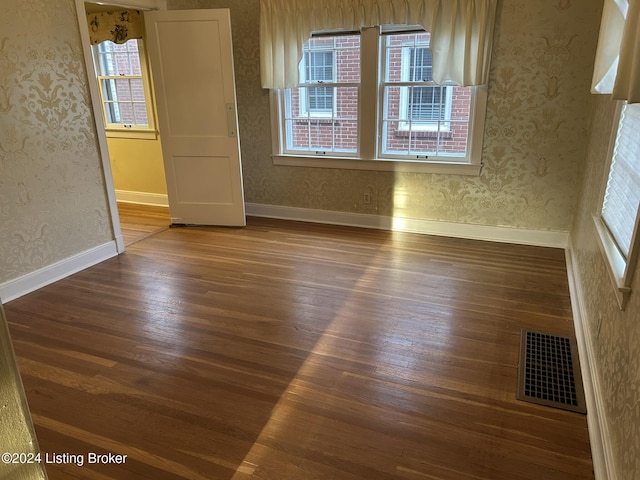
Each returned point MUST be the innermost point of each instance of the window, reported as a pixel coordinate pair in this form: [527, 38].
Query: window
[381, 108]
[124, 88]
[417, 115]
[618, 219]
[321, 114]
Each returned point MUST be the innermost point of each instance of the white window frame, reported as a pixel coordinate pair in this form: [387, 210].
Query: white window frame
[121, 130]
[620, 268]
[369, 157]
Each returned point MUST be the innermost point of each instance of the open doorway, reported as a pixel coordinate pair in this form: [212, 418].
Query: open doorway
[127, 105]
[191, 54]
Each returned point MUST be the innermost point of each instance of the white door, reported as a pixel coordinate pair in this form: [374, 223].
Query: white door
[191, 60]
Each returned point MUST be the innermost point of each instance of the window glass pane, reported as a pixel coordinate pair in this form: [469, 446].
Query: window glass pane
[420, 64]
[454, 142]
[112, 112]
[319, 66]
[337, 132]
[622, 197]
[119, 59]
[331, 59]
[137, 89]
[425, 103]
[417, 67]
[126, 113]
[109, 89]
[347, 56]
[346, 136]
[124, 101]
[123, 89]
[140, 112]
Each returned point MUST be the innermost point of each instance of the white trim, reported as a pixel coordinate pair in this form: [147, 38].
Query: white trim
[544, 238]
[139, 134]
[616, 263]
[143, 198]
[83, 28]
[601, 447]
[45, 276]
[382, 165]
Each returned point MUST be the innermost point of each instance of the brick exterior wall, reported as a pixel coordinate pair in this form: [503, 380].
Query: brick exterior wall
[322, 132]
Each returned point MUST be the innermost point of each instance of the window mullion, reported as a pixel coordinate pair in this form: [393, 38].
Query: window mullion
[369, 81]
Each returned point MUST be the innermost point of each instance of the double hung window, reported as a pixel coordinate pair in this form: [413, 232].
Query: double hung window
[617, 223]
[124, 87]
[321, 115]
[381, 107]
[418, 118]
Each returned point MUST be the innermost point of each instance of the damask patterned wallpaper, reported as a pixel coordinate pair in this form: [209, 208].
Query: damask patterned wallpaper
[615, 335]
[535, 133]
[52, 197]
[53, 204]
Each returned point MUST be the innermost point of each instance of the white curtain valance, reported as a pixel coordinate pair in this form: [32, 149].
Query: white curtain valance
[617, 64]
[117, 26]
[461, 33]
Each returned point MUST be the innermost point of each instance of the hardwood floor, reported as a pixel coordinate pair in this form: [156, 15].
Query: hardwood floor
[287, 350]
[141, 221]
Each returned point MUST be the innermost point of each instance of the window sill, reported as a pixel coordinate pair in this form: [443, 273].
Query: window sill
[131, 134]
[404, 128]
[350, 163]
[616, 263]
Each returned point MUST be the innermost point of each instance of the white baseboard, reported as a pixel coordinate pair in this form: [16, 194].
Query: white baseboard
[601, 448]
[143, 198]
[32, 281]
[477, 232]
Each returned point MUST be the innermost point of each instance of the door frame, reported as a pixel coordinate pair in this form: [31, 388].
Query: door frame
[96, 104]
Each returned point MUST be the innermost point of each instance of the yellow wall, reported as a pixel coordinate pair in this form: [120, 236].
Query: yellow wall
[137, 165]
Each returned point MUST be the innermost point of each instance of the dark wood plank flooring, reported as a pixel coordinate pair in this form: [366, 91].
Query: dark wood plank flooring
[287, 350]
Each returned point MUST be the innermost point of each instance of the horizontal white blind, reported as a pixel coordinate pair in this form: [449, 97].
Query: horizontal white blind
[622, 197]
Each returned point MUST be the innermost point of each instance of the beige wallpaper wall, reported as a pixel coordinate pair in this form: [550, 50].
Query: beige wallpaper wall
[615, 335]
[534, 142]
[53, 205]
[52, 198]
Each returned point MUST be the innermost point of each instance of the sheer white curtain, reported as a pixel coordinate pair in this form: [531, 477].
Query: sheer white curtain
[617, 66]
[461, 33]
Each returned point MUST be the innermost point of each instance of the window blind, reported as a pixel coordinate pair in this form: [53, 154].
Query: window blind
[622, 196]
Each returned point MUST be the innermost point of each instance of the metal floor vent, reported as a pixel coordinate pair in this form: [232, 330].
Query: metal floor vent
[549, 372]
